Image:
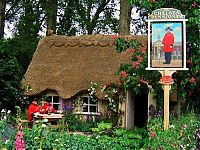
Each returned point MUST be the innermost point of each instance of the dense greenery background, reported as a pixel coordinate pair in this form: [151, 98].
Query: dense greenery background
[32, 17]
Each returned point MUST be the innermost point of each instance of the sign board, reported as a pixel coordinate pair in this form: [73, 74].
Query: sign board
[166, 40]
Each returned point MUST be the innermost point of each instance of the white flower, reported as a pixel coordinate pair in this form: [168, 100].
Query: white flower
[56, 140]
[171, 126]
[45, 120]
[3, 110]
[37, 121]
[8, 111]
[6, 141]
[44, 125]
[5, 117]
[106, 95]
[35, 138]
[114, 91]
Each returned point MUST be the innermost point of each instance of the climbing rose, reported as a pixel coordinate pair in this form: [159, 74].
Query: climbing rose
[192, 80]
[143, 50]
[132, 50]
[152, 134]
[123, 74]
[140, 59]
[136, 64]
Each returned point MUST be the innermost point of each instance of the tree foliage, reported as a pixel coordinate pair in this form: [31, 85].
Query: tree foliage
[187, 82]
[10, 76]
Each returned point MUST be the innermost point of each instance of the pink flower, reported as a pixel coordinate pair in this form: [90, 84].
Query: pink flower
[140, 59]
[188, 61]
[135, 64]
[192, 80]
[143, 50]
[132, 50]
[194, 4]
[123, 74]
[114, 36]
[152, 134]
[19, 142]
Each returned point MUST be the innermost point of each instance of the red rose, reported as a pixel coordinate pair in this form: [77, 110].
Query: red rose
[192, 80]
[140, 59]
[123, 74]
[143, 50]
[152, 134]
[136, 64]
[132, 50]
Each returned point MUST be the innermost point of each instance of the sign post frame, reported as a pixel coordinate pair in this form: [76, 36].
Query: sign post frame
[166, 16]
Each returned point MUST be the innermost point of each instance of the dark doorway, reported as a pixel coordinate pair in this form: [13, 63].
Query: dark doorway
[141, 110]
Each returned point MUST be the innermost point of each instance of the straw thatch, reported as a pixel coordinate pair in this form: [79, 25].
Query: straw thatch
[68, 64]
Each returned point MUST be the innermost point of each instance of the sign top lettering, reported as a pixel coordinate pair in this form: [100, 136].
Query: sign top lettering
[166, 13]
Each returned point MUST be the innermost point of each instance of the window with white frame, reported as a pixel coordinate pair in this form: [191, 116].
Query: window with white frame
[88, 105]
[56, 102]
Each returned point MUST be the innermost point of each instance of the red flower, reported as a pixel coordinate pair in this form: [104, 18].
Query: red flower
[136, 64]
[132, 50]
[188, 61]
[140, 59]
[120, 81]
[152, 134]
[123, 74]
[143, 50]
[107, 85]
[192, 80]
[114, 36]
[194, 4]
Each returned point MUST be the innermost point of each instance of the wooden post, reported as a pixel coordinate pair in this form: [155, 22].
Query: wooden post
[166, 81]
[166, 105]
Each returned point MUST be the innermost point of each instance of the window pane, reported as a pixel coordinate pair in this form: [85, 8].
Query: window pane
[85, 100]
[85, 108]
[55, 99]
[56, 106]
[93, 101]
[93, 108]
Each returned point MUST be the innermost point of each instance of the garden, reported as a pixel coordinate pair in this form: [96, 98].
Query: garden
[103, 132]
[183, 133]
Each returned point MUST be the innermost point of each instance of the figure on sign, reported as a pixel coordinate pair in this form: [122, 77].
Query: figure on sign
[47, 108]
[168, 42]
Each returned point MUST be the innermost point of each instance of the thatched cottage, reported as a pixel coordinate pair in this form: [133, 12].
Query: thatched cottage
[63, 67]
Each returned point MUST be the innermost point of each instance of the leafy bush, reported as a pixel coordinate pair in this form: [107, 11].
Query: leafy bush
[181, 133]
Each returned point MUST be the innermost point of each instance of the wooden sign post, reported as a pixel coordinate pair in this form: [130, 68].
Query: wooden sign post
[166, 82]
[166, 48]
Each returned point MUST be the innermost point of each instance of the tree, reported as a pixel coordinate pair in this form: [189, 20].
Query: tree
[94, 16]
[10, 77]
[7, 14]
[187, 82]
[125, 17]
[51, 15]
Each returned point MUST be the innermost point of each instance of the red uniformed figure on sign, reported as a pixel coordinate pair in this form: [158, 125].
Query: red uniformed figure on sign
[33, 108]
[47, 107]
[168, 42]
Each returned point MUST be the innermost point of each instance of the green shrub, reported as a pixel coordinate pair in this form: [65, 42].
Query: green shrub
[181, 133]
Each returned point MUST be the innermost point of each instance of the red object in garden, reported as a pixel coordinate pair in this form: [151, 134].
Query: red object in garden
[33, 108]
[19, 142]
[132, 50]
[47, 107]
[192, 80]
[166, 80]
[123, 74]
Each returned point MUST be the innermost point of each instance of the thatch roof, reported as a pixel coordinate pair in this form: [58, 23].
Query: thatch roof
[68, 64]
